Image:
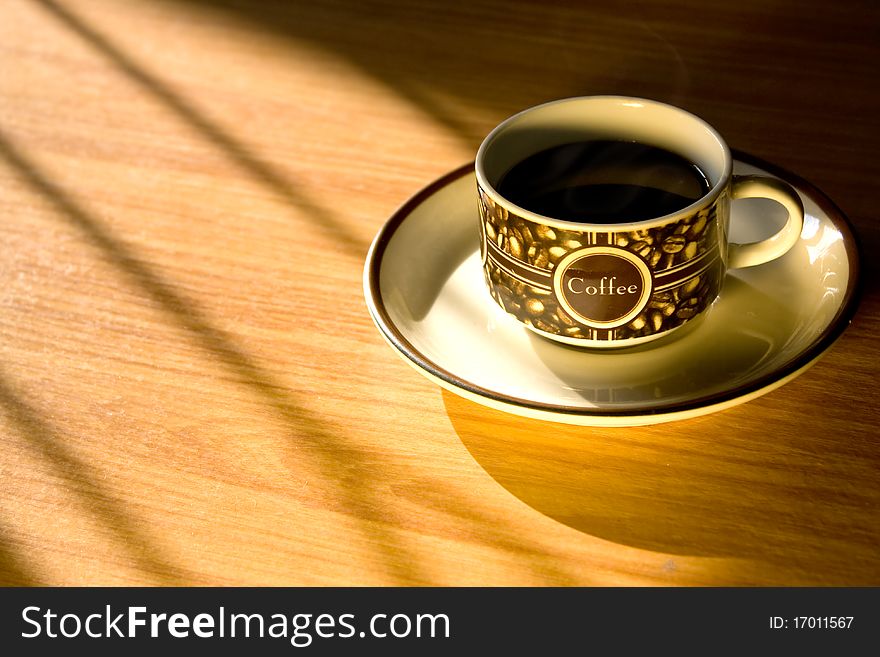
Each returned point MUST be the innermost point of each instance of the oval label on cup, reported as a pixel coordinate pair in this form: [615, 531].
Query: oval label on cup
[602, 286]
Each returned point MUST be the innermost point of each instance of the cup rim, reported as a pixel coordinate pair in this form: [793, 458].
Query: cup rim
[706, 199]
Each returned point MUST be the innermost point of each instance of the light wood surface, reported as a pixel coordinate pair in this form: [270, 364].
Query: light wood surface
[191, 389]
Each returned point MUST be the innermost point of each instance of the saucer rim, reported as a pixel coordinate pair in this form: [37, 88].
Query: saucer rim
[699, 405]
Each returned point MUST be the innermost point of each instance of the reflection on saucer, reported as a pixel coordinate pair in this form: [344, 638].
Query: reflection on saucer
[686, 360]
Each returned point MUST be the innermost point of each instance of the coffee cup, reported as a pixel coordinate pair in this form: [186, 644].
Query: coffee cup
[604, 220]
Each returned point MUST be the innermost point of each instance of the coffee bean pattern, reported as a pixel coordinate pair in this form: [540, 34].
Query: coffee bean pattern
[532, 305]
[682, 287]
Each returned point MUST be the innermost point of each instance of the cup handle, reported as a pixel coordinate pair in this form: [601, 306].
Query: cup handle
[757, 253]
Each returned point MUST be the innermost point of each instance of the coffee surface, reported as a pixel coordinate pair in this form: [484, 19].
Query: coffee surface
[603, 181]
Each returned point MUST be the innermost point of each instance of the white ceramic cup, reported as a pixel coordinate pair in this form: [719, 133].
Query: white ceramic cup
[625, 283]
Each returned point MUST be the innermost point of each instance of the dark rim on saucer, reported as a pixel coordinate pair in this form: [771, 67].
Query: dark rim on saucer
[821, 344]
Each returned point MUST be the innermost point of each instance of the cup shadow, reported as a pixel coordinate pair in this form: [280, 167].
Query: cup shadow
[696, 488]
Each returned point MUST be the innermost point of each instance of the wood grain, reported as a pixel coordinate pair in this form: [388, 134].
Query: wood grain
[191, 389]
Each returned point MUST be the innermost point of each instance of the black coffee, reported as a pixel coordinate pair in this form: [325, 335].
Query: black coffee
[603, 181]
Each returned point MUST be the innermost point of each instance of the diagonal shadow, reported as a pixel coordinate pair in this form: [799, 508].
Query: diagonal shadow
[82, 478]
[13, 569]
[329, 451]
[260, 170]
[345, 463]
[342, 463]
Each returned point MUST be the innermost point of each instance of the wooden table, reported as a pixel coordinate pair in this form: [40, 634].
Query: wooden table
[192, 391]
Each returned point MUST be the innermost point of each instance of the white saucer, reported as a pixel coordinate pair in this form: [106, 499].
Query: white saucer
[425, 291]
